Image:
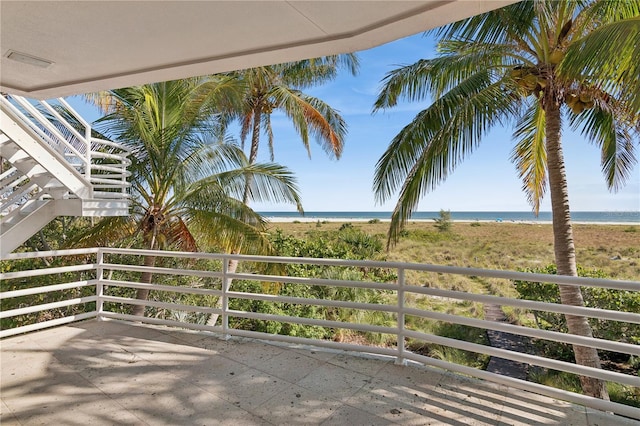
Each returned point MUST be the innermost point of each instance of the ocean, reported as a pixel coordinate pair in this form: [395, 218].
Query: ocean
[631, 217]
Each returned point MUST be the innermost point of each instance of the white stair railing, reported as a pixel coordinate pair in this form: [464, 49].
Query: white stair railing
[103, 163]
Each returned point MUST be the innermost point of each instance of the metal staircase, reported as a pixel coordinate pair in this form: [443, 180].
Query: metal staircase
[56, 168]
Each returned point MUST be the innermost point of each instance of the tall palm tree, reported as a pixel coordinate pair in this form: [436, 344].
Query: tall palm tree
[187, 184]
[279, 88]
[531, 64]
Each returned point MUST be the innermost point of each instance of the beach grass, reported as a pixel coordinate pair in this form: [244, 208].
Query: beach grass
[614, 249]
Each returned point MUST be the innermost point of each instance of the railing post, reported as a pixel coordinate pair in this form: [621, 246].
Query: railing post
[87, 136]
[400, 359]
[225, 298]
[99, 284]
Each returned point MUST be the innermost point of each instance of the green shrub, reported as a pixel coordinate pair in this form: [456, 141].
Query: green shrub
[443, 223]
[595, 297]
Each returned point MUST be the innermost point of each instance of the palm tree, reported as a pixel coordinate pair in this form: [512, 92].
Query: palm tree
[531, 64]
[278, 87]
[187, 184]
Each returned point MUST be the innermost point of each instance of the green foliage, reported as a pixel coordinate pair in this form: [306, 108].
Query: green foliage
[556, 379]
[345, 226]
[624, 394]
[285, 309]
[373, 221]
[44, 298]
[346, 243]
[601, 298]
[430, 237]
[452, 331]
[443, 223]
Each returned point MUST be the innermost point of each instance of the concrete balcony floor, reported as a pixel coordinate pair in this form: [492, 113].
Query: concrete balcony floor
[109, 372]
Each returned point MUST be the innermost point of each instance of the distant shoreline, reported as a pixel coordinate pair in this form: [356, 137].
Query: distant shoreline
[527, 217]
[314, 219]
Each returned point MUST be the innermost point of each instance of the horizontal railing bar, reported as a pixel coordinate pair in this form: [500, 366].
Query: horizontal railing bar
[164, 253]
[597, 403]
[313, 321]
[46, 271]
[530, 332]
[50, 253]
[160, 287]
[45, 289]
[621, 316]
[46, 324]
[160, 270]
[98, 141]
[47, 306]
[316, 302]
[160, 321]
[444, 269]
[456, 270]
[526, 358]
[164, 305]
[109, 156]
[314, 281]
[109, 168]
[330, 344]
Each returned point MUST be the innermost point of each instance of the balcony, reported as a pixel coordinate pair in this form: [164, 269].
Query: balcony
[79, 357]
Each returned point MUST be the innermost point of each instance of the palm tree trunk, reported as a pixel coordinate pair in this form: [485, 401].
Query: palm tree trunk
[564, 248]
[232, 266]
[143, 293]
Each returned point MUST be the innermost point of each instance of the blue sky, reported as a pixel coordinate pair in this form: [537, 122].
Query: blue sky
[484, 181]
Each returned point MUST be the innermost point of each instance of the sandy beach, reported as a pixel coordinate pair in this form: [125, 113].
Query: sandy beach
[273, 219]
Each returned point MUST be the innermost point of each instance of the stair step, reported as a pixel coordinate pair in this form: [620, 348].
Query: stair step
[15, 155]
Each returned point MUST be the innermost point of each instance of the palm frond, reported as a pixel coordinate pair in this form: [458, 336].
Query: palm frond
[616, 138]
[427, 150]
[496, 26]
[530, 154]
[449, 129]
[312, 116]
[232, 225]
[608, 56]
[107, 232]
[457, 61]
[311, 72]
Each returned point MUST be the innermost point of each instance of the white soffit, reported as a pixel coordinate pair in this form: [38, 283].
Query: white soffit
[59, 48]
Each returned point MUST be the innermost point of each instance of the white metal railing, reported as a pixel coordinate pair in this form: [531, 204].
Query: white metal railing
[103, 163]
[108, 274]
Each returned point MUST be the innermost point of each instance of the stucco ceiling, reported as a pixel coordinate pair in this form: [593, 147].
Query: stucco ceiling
[58, 48]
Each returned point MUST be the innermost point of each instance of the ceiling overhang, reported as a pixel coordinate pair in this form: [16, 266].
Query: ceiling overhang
[60, 48]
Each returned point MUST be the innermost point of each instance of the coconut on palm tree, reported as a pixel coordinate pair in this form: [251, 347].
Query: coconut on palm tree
[187, 183]
[531, 64]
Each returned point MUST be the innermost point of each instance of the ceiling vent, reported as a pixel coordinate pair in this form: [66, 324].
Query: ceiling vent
[28, 59]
